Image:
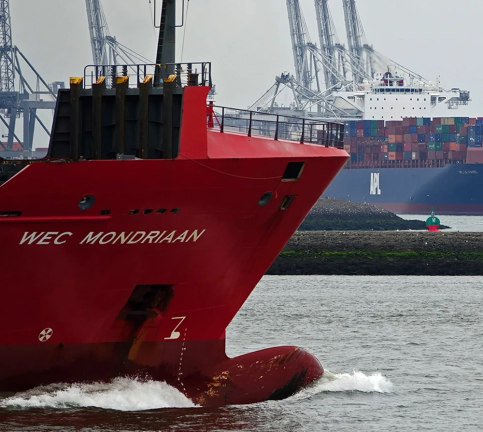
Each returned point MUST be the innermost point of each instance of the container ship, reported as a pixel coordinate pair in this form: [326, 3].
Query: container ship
[408, 162]
[131, 246]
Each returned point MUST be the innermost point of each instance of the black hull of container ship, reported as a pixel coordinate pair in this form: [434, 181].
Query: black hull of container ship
[454, 189]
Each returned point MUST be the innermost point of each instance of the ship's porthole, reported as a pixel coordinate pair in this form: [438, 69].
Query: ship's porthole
[161, 211]
[175, 210]
[148, 211]
[86, 202]
[105, 212]
[133, 211]
[265, 199]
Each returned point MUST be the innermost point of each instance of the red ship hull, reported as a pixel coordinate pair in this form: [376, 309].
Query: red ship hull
[67, 274]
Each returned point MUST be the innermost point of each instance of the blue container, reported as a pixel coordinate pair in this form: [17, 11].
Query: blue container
[360, 157]
[465, 120]
[399, 147]
[413, 129]
[353, 157]
[421, 138]
[431, 137]
[471, 130]
[408, 155]
[478, 130]
[479, 122]
[452, 137]
[438, 137]
[478, 138]
[367, 124]
[353, 132]
[462, 139]
[367, 132]
[426, 121]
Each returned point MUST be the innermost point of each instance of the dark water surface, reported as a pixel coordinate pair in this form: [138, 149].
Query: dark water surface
[403, 353]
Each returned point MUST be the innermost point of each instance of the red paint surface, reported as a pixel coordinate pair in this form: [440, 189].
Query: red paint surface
[78, 289]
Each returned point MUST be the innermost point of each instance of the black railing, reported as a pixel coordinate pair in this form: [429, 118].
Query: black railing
[278, 127]
[183, 73]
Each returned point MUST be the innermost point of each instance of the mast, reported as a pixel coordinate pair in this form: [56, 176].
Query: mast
[167, 39]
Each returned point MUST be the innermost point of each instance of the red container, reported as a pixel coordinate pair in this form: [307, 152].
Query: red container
[452, 128]
[440, 155]
[474, 155]
[431, 155]
[399, 155]
[436, 121]
[446, 146]
[422, 147]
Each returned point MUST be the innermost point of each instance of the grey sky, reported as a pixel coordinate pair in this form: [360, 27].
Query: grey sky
[249, 44]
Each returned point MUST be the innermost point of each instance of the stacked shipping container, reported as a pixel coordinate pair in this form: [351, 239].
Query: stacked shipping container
[414, 142]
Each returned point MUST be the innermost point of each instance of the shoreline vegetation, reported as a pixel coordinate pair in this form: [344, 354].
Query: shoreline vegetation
[344, 238]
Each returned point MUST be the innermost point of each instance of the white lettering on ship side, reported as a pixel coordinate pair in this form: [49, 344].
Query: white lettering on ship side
[375, 186]
[175, 334]
[112, 237]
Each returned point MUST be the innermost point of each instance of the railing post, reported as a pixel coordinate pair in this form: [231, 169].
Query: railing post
[222, 126]
[250, 124]
[276, 129]
[311, 132]
[302, 136]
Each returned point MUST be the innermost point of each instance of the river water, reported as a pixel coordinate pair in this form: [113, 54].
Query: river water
[402, 353]
[454, 222]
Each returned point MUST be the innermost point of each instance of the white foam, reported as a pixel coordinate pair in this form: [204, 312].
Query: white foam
[122, 394]
[356, 381]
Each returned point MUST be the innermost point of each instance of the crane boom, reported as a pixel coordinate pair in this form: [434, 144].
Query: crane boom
[355, 35]
[98, 31]
[7, 72]
[328, 41]
[300, 38]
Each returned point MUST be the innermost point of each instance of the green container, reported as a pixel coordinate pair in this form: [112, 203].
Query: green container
[438, 146]
[432, 146]
[374, 124]
[391, 147]
[373, 132]
[420, 121]
[445, 129]
[458, 121]
[446, 137]
[439, 128]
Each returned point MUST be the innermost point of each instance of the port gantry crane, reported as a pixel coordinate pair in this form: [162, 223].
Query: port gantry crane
[309, 60]
[18, 97]
[106, 49]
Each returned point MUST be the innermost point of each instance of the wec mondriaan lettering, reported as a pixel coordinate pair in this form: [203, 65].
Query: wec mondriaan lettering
[113, 237]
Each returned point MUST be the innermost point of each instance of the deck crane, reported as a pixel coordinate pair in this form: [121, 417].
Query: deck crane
[18, 96]
[106, 49]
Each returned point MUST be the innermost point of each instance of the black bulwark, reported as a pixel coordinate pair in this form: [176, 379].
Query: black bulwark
[110, 120]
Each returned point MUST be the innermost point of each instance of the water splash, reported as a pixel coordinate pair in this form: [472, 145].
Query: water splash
[356, 381]
[122, 394]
